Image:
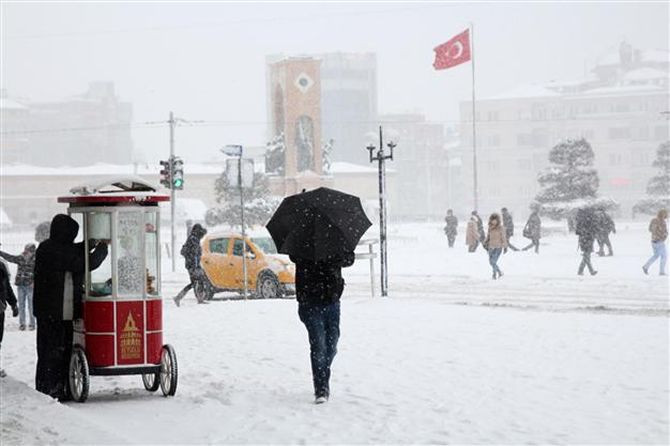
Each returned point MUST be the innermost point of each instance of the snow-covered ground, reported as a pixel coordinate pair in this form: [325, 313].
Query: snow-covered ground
[540, 356]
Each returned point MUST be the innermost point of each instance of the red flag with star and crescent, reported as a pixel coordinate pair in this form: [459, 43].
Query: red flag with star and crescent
[453, 52]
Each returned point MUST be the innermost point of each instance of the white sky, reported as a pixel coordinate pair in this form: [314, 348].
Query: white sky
[205, 61]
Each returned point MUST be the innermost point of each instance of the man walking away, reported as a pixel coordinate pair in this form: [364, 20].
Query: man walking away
[472, 234]
[508, 223]
[24, 283]
[480, 227]
[59, 278]
[319, 286]
[6, 297]
[605, 226]
[192, 252]
[451, 229]
[585, 228]
[659, 234]
[533, 231]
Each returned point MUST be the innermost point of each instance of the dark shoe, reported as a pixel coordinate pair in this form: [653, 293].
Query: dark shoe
[2, 373]
[500, 274]
[646, 271]
[321, 399]
[22, 327]
[662, 274]
[176, 301]
[495, 276]
[593, 273]
[580, 273]
[31, 328]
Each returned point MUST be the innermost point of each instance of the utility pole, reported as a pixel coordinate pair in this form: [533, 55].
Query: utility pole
[237, 150]
[381, 158]
[173, 195]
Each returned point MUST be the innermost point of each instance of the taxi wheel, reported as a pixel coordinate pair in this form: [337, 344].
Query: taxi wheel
[151, 381]
[78, 376]
[267, 286]
[168, 374]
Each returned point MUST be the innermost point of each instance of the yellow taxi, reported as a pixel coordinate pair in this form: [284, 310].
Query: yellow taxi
[269, 274]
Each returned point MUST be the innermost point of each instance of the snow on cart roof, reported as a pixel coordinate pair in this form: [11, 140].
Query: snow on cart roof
[114, 189]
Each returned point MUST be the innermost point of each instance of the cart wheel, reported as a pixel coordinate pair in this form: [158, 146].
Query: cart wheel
[168, 373]
[78, 376]
[151, 381]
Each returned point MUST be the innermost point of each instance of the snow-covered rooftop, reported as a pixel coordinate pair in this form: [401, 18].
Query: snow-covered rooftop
[645, 73]
[525, 91]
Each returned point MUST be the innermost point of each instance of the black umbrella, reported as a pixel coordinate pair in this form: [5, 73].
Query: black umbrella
[318, 224]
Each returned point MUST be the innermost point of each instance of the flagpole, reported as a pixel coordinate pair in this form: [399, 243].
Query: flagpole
[474, 127]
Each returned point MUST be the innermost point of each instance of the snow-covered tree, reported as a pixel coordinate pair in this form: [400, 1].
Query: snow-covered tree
[569, 180]
[258, 203]
[275, 155]
[658, 188]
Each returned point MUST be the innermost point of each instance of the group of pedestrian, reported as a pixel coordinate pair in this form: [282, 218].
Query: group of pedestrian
[590, 224]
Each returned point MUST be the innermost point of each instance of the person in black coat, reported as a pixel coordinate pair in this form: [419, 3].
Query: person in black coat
[605, 226]
[451, 229]
[585, 227]
[508, 224]
[7, 297]
[533, 231]
[192, 252]
[59, 276]
[319, 286]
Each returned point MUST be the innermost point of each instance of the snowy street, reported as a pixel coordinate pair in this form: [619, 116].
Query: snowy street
[540, 356]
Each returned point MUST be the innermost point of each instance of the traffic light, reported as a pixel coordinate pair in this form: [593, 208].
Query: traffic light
[165, 174]
[177, 173]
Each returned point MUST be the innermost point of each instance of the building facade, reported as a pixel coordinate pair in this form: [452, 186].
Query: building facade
[68, 132]
[621, 109]
[348, 89]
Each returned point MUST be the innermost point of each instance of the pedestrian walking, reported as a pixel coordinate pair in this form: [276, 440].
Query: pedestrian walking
[659, 234]
[24, 283]
[319, 230]
[605, 227]
[481, 234]
[533, 231]
[586, 227]
[7, 298]
[59, 279]
[472, 234]
[192, 252]
[495, 243]
[508, 224]
[451, 229]
[319, 287]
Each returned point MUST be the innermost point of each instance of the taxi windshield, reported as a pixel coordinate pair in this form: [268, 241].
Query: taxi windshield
[265, 244]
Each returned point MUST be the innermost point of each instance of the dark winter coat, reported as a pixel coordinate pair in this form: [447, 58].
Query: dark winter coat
[533, 228]
[59, 271]
[320, 283]
[586, 228]
[191, 250]
[452, 225]
[7, 296]
[480, 227]
[605, 224]
[508, 223]
[26, 266]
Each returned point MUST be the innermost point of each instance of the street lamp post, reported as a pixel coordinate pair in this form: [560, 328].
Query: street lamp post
[236, 150]
[381, 158]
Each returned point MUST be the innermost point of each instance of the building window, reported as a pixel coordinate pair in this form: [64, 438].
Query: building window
[615, 159]
[524, 139]
[661, 132]
[492, 116]
[524, 164]
[619, 132]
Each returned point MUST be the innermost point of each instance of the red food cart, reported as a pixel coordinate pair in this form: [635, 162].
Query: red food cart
[121, 329]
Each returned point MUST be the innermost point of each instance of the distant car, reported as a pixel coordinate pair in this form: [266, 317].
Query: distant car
[269, 274]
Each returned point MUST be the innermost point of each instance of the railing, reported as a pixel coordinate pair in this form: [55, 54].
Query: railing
[370, 255]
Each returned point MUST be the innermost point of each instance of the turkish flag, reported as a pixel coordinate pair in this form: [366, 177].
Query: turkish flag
[453, 52]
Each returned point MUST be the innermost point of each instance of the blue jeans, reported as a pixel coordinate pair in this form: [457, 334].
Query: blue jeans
[25, 297]
[323, 327]
[494, 255]
[659, 251]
